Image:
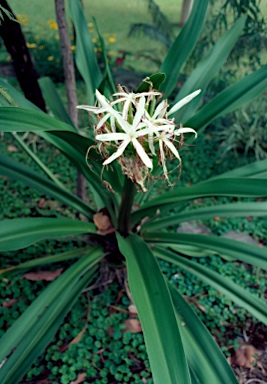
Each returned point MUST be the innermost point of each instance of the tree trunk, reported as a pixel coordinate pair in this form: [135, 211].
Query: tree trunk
[186, 9]
[15, 43]
[70, 82]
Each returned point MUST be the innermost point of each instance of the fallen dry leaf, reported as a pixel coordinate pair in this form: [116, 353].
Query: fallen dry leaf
[9, 303]
[244, 356]
[132, 309]
[42, 275]
[103, 223]
[76, 339]
[41, 203]
[80, 379]
[11, 148]
[133, 325]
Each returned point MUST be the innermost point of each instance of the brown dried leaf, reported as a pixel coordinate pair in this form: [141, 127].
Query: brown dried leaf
[41, 203]
[80, 379]
[133, 325]
[9, 303]
[244, 356]
[132, 310]
[42, 275]
[12, 148]
[103, 223]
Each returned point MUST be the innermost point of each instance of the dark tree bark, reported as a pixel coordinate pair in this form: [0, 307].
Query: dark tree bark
[70, 82]
[15, 43]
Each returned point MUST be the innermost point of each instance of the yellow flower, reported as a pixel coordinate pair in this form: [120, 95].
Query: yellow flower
[90, 25]
[53, 24]
[73, 47]
[8, 58]
[31, 45]
[22, 19]
[41, 47]
[50, 58]
[94, 39]
[111, 40]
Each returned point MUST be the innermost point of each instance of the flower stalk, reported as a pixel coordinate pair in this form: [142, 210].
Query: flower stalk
[124, 220]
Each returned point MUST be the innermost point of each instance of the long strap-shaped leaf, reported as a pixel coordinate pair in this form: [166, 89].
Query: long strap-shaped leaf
[37, 262]
[183, 46]
[28, 336]
[79, 161]
[154, 306]
[85, 55]
[20, 233]
[20, 172]
[239, 295]
[223, 210]
[14, 119]
[204, 356]
[241, 187]
[237, 250]
[205, 71]
[258, 169]
[53, 100]
[233, 97]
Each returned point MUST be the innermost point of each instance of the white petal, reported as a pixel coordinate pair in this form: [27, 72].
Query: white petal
[151, 145]
[102, 121]
[160, 110]
[162, 159]
[112, 136]
[184, 101]
[118, 153]
[142, 154]
[172, 148]
[126, 109]
[88, 108]
[140, 111]
[185, 130]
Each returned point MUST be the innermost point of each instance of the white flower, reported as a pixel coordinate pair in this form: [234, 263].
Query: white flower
[166, 138]
[130, 135]
[183, 102]
[129, 98]
[142, 124]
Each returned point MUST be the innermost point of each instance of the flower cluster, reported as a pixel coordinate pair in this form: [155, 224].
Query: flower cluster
[134, 129]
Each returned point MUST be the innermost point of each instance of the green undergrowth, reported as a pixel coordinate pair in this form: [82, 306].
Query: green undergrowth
[107, 352]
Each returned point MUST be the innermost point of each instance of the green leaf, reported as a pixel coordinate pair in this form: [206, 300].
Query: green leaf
[62, 141]
[155, 310]
[204, 356]
[237, 250]
[258, 169]
[19, 233]
[183, 46]
[223, 210]
[17, 96]
[205, 71]
[85, 55]
[53, 100]
[155, 81]
[240, 296]
[29, 335]
[17, 171]
[233, 97]
[63, 256]
[241, 187]
[108, 75]
[13, 119]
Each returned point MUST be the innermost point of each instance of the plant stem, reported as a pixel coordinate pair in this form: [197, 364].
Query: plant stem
[124, 221]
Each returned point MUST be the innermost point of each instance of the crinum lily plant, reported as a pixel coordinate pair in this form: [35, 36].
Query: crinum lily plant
[142, 130]
[129, 226]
